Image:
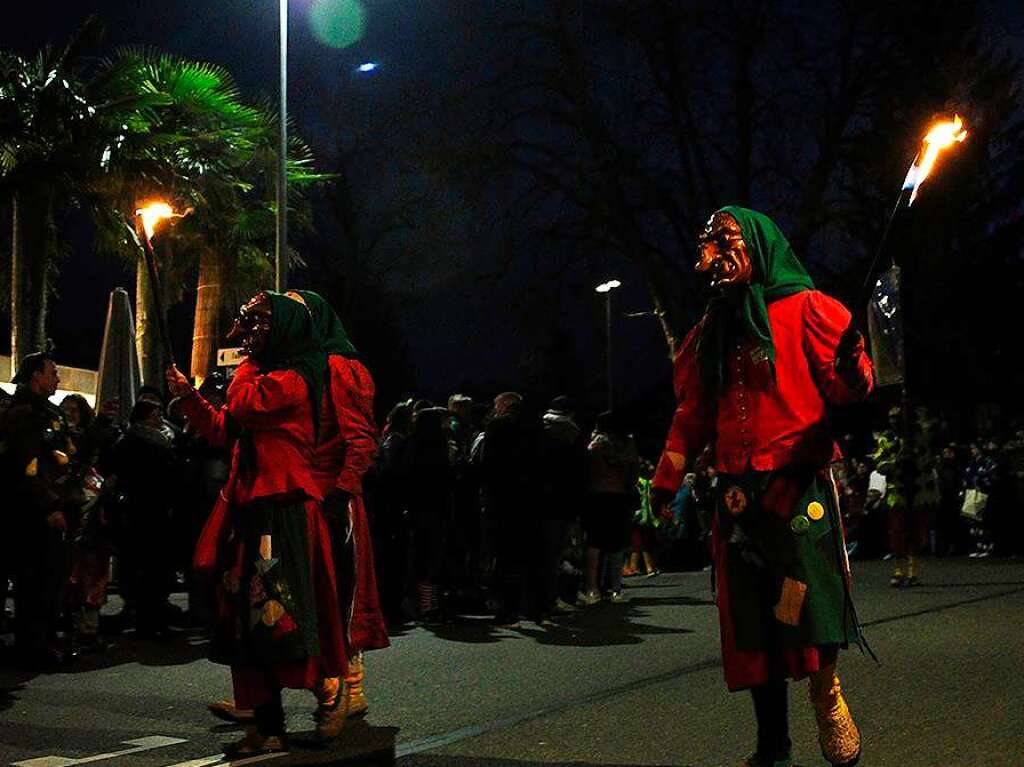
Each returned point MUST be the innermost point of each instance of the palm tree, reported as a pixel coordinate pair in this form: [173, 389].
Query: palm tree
[197, 133]
[235, 231]
[46, 117]
[207, 150]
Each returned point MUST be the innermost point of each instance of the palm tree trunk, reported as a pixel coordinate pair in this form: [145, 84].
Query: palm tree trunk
[31, 254]
[147, 336]
[212, 297]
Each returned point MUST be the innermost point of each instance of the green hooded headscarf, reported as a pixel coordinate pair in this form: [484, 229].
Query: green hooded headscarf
[776, 274]
[293, 343]
[327, 323]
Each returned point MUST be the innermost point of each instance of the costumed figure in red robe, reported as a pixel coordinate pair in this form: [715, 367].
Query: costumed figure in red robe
[755, 379]
[348, 441]
[266, 543]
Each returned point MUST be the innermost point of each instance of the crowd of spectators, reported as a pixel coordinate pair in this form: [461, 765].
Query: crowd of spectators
[489, 508]
[937, 478]
[98, 504]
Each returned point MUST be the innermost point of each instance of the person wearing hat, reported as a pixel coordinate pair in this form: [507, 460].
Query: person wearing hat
[756, 378]
[38, 457]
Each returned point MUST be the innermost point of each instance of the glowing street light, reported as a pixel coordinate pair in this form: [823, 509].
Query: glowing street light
[366, 67]
[606, 288]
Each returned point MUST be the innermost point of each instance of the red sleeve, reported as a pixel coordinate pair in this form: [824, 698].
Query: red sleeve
[352, 395]
[691, 425]
[260, 399]
[209, 421]
[825, 320]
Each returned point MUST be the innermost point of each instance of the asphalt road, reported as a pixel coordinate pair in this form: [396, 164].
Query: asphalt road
[632, 684]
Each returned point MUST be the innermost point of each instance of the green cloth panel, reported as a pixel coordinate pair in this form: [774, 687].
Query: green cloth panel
[763, 550]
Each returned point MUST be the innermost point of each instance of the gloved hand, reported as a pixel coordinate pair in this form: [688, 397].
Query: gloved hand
[848, 350]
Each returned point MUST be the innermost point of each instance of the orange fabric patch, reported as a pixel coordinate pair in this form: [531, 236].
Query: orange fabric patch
[790, 603]
[266, 548]
[678, 460]
[272, 612]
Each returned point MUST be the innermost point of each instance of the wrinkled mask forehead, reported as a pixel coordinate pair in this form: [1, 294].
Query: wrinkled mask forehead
[719, 224]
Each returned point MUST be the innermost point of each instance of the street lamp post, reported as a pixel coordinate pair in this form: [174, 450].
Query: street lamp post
[606, 288]
[281, 248]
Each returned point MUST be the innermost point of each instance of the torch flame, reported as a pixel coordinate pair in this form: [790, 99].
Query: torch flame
[152, 214]
[941, 136]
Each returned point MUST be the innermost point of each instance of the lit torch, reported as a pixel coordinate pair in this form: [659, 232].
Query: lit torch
[148, 218]
[940, 137]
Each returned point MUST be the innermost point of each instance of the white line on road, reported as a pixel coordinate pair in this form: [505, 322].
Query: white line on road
[206, 761]
[139, 744]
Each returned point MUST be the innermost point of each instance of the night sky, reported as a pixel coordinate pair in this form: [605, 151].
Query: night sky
[460, 332]
[464, 323]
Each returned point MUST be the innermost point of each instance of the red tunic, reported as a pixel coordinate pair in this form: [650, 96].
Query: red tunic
[348, 440]
[762, 425]
[275, 407]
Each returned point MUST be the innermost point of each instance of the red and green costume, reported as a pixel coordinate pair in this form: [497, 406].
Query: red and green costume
[755, 379]
[266, 545]
[763, 404]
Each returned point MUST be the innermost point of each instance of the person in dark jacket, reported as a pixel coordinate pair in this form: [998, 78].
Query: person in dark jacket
[563, 475]
[144, 469]
[386, 507]
[45, 495]
[614, 469]
[426, 477]
[509, 472]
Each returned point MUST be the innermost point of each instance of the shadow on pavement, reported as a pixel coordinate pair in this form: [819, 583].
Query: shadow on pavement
[597, 626]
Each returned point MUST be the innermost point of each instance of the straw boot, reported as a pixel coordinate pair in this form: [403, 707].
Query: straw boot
[357, 704]
[899, 576]
[913, 565]
[332, 710]
[838, 736]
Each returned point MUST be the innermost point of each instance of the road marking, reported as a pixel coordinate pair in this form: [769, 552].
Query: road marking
[138, 745]
[206, 761]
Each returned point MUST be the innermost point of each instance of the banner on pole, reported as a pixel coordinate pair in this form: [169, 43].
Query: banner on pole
[885, 328]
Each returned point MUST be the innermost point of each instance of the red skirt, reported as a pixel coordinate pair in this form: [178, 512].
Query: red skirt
[366, 629]
[222, 552]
